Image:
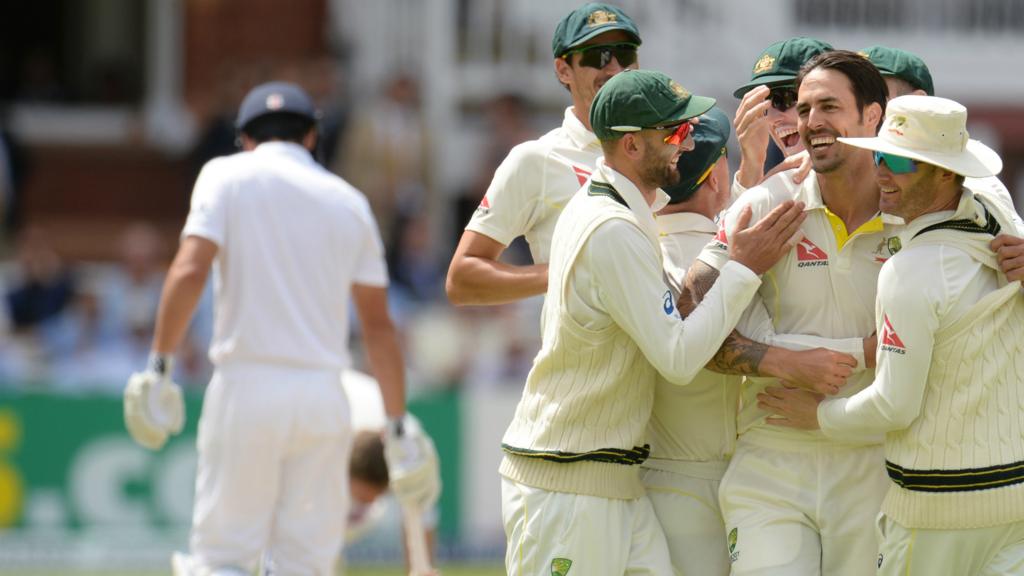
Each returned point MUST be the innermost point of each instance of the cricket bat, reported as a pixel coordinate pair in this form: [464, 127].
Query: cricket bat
[416, 542]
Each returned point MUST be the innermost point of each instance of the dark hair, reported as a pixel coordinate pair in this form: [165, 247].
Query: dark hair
[865, 80]
[367, 461]
[283, 126]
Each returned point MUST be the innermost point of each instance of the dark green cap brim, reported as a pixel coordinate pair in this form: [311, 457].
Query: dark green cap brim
[775, 81]
[694, 107]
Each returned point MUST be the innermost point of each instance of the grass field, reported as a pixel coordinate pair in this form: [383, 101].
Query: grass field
[464, 570]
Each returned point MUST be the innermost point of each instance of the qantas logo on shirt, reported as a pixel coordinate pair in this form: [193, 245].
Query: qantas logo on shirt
[890, 341]
[581, 174]
[808, 254]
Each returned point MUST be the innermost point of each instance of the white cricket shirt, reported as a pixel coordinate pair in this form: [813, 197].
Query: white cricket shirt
[292, 239]
[825, 287]
[532, 185]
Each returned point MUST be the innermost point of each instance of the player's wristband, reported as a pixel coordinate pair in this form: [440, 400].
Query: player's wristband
[396, 426]
[161, 364]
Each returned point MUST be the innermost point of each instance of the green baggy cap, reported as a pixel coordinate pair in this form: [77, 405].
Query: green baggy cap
[780, 63]
[710, 138]
[588, 21]
[901, 64]
[636, 99]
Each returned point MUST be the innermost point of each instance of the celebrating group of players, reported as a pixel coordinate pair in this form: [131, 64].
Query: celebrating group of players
[819, 370]
[813, 371]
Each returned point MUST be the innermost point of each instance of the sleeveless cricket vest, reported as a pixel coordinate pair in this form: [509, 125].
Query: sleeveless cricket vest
[960, 464]
[580, 425]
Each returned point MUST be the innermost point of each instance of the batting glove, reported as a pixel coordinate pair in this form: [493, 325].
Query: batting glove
[153, 405]
[412, 463]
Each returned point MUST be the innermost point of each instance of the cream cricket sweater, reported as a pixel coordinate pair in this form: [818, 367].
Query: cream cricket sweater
[949, 387]
[608, 329]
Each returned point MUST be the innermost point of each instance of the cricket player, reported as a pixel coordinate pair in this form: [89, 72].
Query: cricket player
[290, 244]
[797, 502]
[368, 471]
[949, 357]
[692, 431]
[531, 186]
[571, 492]
[768, 108]
[906, 73]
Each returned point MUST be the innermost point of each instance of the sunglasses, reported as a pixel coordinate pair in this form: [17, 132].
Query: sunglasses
[679, 132]
[783, 98]
[600, 55]
[896, 164]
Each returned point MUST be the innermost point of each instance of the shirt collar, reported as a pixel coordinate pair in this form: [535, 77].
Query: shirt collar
[810, 194]
[678, 222]
[633, 197]
[290, 149]
[578, 133]
[968, 208]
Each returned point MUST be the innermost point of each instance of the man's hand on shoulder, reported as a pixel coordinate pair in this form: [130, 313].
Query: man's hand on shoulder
[760, 246]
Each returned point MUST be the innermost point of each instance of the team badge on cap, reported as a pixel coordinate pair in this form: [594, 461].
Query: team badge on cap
[678, 90]
[275, 101]
[764, 64]
[600, 18]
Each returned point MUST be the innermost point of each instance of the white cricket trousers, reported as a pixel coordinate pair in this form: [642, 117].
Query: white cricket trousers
[272, 474]
[992, 551]
[685, 501]
[802, 509]
[560, 534]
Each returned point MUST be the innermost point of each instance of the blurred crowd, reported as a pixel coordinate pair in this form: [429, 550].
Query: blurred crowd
[83, 326]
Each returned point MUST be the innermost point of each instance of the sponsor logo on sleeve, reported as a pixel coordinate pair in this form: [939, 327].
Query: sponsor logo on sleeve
[809, 255]
[890, 340]
[720, 240]
[581, 174]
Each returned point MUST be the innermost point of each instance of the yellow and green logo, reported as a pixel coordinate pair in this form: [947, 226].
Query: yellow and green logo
[560, 566]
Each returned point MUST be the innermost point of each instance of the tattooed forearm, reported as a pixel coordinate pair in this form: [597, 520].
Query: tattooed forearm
[699, 280]
[738, 355]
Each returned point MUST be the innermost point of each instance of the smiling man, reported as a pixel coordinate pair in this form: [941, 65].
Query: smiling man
[797, 502]
[949, 370]
[768, 107]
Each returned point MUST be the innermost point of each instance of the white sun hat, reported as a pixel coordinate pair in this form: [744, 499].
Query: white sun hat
[932, 130]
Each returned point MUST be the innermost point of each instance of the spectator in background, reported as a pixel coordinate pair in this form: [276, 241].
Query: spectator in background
[42, 286]
[12, 173]
[507, 124]
[385, 154]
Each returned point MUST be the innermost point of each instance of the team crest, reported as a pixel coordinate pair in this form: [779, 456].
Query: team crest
[678, 90]
[894, 244]
[600, 18]
[275, 101]
[733, 537]
[560, 566]
[764, 64]
[896, 124]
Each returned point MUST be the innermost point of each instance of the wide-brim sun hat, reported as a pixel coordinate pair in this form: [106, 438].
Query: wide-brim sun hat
[932, 130]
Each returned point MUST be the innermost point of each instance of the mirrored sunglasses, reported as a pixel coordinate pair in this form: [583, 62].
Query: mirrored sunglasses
[896, 164]
[600, 55]
[679, 132]
[783, 98]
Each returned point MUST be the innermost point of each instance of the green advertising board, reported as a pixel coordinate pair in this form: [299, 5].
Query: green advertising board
[66, 463]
